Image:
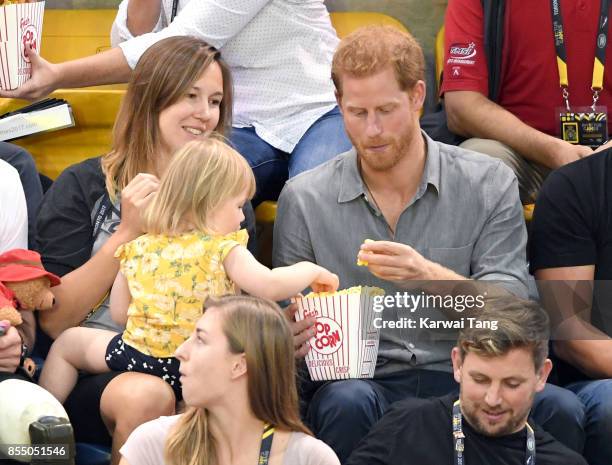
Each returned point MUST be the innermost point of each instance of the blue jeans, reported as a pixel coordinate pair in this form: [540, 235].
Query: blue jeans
[324, 140]
[341, 413]
[596, 396]
[23, 162]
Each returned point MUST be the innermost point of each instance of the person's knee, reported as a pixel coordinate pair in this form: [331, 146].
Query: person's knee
[561, 414]
[64, 343]
[598, 404]
[492, 148]
[561, 405]
[137, 398]
[17, 156]
[350, 398]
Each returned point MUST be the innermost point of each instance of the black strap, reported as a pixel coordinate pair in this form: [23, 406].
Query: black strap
[266, 444]
[174, 10]
[493, 15]
[459, 438]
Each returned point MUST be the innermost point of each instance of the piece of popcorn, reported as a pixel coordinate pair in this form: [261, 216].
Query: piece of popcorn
[363, 262]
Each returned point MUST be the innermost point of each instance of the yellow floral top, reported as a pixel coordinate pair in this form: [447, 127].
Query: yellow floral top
[169, 278]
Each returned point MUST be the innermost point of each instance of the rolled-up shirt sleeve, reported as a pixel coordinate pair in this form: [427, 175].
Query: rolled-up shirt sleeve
[119, 30]
[292, 242]
[213, 21]
[500, 251]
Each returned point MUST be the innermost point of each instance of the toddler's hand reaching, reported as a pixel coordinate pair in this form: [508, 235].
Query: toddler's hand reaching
[326, 281]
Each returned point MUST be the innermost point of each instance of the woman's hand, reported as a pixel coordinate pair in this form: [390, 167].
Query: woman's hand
[134, 199]
[10, 350]
[302, 331]
[326, 281]
[44, 80]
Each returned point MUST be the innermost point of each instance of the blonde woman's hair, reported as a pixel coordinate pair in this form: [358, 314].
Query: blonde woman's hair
[163, 75]
[259, 329]
[200, 177]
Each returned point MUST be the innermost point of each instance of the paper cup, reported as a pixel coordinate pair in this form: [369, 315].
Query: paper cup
[346, 342]
[20, 23]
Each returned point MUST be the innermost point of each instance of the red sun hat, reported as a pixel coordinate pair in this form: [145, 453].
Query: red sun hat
[22, 265]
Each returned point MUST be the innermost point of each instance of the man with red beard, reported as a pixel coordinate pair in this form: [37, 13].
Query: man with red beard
[499, 372]
[433, 212]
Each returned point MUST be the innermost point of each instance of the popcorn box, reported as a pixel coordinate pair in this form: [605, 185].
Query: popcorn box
[20, 23]
[346, 342]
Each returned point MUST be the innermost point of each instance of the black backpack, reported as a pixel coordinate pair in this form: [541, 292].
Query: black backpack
[434, 123]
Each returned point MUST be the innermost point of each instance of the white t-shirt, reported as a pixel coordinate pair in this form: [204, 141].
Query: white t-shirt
[145, 446]
[13, 210]
[279, 51]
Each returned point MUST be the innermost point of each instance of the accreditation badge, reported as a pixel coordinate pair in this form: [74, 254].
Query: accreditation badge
[584, 126]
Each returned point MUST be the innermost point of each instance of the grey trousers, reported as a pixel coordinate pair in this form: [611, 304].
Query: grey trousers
[530, 175]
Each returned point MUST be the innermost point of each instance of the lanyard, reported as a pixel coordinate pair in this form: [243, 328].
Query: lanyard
[266, 444]
[458, 436]
[174, 9]
[600, 51]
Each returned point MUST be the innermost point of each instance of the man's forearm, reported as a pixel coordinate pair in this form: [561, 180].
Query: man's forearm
[471, 114]
[142, 16]
[109, 67]
[593, 357]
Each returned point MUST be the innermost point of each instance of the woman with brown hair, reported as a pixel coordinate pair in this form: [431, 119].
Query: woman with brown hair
[180, 91]
[238, 376]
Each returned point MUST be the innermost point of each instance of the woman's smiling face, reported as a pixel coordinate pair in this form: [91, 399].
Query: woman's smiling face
[195, 115]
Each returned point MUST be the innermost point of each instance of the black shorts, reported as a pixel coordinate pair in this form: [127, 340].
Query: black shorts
[123, 357]
[83, 408]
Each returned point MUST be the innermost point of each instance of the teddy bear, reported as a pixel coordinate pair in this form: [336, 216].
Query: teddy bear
[24, 284]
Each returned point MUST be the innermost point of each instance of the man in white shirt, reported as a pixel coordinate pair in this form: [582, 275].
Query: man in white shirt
[13, 210]
[13, 234]
[285, 115]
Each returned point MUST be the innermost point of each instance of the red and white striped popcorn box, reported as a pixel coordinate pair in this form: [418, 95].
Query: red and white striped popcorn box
[346, 342]
[20, 23]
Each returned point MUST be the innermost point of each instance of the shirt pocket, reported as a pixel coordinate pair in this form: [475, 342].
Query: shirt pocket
[457, 259]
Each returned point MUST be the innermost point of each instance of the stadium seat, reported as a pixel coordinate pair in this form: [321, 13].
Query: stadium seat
[94, 112]
[345, 22]
[439, 56]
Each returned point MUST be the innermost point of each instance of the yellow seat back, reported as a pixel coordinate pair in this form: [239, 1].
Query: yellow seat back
[346, 22]
[69, 34]
[439, 56]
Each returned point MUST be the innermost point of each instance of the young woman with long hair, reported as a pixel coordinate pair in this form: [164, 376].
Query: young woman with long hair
[238, 376]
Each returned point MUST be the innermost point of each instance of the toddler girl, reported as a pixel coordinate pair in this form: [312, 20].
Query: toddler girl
[193, 249]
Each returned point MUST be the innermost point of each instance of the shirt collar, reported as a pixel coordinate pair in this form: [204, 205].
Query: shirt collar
[352, 185]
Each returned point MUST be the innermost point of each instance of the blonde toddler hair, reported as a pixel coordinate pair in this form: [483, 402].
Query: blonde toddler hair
[201, 176]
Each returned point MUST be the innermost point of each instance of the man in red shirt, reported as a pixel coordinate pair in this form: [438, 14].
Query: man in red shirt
[521, 127]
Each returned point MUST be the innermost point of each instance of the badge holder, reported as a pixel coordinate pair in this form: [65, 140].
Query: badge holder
[586, 126]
